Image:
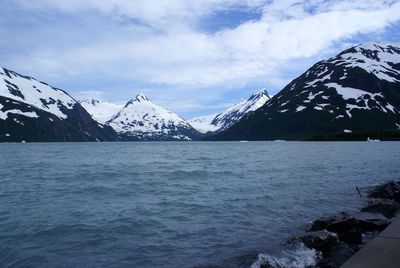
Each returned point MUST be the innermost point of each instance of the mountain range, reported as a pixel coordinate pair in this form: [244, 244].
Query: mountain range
[141, 119]
[349, 96]
[352, 94]
[31, 110]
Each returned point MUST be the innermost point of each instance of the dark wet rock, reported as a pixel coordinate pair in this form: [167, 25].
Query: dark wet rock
[387, 208]
[322, 223]
[390, 190]
[339, 254]
[350, 229]
[371, 222]
[321, 241]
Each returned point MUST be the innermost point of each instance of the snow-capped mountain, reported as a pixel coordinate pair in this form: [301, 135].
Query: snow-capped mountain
[357, 91]
[101, 111]
[141, 119]
[239, 110]
[224, 120]
[31, 110]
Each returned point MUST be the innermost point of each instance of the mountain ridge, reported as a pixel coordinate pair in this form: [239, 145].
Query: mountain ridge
[31, 110]
[357, 90]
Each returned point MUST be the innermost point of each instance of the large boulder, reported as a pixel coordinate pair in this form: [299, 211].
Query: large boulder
[339, 254]
[387, 208]
[323, 222]
[390, 190]
[350, 229]
[321, 241]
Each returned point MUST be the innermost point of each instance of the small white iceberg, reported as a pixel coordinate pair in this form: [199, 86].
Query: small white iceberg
[373, 140]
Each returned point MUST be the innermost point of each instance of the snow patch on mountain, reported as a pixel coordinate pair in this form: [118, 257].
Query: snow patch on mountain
[4, 115]
[349, 93]
[363, 99]
[375, 58]
[101, 111]
[203, 123]
[300, 108]
[33, 92]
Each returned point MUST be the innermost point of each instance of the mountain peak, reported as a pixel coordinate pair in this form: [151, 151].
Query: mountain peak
[378, 45]
[261, 93]
[379, 52]
[141, 97]
[229, 117]
[141, 119]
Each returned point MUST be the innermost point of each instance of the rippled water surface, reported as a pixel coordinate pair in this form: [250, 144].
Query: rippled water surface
[174, 204]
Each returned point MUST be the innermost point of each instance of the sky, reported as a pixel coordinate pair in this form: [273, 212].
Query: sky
[194, 57]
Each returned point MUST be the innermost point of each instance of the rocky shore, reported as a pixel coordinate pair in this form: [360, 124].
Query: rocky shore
[336, 238]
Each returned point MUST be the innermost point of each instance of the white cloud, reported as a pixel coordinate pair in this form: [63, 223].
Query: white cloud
[186, 56]
[162, 43]
[157, 13]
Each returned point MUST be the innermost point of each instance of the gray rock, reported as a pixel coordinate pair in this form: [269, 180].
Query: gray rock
[322, 223]
[350, 229]
[390, 190]
[321, 241]
[388, 208]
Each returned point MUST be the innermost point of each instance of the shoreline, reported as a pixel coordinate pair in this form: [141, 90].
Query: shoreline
[382, 251]
[329, 242]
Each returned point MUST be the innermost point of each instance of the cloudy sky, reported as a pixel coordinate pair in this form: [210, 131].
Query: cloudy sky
[194, 57]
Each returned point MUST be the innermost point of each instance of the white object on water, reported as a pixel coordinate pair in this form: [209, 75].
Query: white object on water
[373, 140]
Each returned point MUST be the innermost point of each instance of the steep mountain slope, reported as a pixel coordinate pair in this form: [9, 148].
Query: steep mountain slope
[232, 115]
[241, 109]
[141, 119]
[101, 111]
[31, 110]
[355, 92]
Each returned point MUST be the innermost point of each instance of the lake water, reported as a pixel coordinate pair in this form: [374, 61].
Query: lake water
[174, 204]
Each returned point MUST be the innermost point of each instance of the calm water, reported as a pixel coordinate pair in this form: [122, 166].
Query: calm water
[174, 204]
